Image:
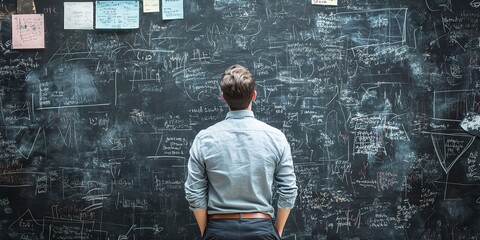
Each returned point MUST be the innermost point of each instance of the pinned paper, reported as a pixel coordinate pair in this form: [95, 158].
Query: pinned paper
[78, 15]
[28, 31]
[172, 9]
[117, 15]
[151, 6]
[325, 2]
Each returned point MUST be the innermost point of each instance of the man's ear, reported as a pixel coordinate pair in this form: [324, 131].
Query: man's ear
[254, 95]
[221, 97]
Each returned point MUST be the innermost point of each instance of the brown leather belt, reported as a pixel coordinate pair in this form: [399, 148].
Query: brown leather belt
[238, 215]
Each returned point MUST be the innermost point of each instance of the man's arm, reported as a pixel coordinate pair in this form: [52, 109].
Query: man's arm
[285, 180]
[201, 217]
[196, 186]
[281, 219]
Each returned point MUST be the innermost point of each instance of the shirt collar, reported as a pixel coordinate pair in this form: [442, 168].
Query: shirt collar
[237, 114]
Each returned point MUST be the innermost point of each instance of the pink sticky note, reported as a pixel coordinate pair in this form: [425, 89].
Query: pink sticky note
[28, 31]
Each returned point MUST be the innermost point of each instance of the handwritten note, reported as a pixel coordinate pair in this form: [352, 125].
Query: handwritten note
[151, 6]
[325, 2]
[28, 31]
[117, 15]
[78, 15]
[172, 9]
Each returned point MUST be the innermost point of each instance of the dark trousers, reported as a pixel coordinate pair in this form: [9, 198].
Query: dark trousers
[240, 229]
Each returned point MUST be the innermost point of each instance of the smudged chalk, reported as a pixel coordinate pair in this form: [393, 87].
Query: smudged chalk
[471, 123]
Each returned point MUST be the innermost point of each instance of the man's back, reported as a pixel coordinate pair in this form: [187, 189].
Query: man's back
[240, 156]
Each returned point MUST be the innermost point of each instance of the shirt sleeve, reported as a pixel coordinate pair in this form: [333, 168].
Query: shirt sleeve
[196, 185]
[285, 179]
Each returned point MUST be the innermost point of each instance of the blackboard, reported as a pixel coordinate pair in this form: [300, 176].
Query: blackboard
[95, 128]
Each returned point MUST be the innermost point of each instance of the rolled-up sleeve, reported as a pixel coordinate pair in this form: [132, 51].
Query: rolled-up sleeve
[285, 179]
[196, 184]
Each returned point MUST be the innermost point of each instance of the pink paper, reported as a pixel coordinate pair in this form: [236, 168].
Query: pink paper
[28, 31]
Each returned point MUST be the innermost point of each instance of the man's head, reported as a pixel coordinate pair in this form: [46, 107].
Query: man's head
[238, 87]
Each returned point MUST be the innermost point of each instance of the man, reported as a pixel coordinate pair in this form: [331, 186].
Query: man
[233, 166]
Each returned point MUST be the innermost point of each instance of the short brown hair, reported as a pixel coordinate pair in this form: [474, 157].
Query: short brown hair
[237, 85]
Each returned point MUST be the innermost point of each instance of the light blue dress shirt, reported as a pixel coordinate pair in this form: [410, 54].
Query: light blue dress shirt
[234, 164]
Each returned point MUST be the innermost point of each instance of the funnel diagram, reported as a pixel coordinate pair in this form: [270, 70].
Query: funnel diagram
[449, 149]
[451, 135]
